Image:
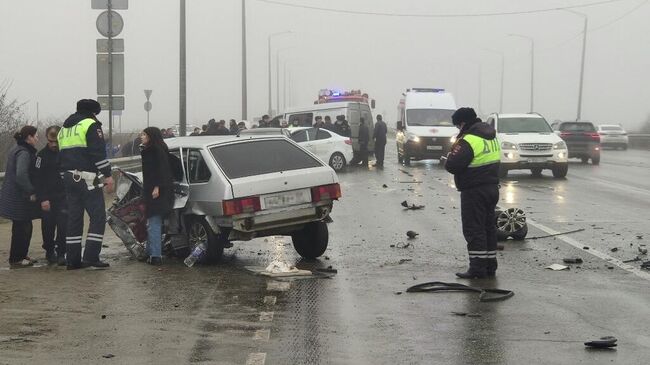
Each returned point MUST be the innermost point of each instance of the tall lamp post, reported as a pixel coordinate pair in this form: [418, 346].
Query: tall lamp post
[244, 77]
[269, 61]
[582, 62]
[277, 77]
[532, 67]
[503, 62]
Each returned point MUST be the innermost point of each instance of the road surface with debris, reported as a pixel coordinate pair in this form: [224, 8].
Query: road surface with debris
[138, 314]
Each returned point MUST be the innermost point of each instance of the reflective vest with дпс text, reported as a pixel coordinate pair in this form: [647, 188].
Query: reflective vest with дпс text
[486, 151]
[75, 136]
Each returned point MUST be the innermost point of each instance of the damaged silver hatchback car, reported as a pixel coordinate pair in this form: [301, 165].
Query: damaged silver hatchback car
[231, 188]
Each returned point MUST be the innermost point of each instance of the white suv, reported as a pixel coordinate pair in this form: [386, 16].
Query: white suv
[529, 143]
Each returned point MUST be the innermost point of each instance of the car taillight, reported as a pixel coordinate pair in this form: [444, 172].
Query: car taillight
[242, 205]
[565, 134]
[325, 192]
[348, 141]
[595, 136]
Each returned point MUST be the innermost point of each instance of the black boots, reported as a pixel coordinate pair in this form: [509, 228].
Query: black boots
[472, 274]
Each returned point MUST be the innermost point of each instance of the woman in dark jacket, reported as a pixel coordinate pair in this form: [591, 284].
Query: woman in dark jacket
[18, 195]
[157, 187]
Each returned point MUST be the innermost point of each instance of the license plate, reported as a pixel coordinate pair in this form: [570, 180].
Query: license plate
[536, 159]
[287, 198]
[434, 148]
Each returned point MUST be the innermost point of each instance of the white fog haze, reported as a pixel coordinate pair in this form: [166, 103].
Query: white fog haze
[379, 46]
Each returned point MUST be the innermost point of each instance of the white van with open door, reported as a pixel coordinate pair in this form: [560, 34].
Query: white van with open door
[424, 127]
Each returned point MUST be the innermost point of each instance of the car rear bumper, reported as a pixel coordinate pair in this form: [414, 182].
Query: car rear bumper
[279, 220]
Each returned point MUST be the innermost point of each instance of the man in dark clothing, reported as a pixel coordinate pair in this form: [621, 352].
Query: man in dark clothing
[474, 161]
[328, 124]
[213, 128]
[204, 130]
[318, 122]
[364, 138]
[380, 140]
[82, 159]
[50, 192]
[233, 127]
[196, 132]
[221, 128]
[264, 123]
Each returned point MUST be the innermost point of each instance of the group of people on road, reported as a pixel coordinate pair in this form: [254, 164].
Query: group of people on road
[65, 178]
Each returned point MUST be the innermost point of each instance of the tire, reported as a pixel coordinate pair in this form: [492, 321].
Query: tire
[503, 172]
[560, 171]
[521, 234]
[511, 223]
[199, 231]
[584, 159]
[537, 172]
[337, 161]
[595, 160]
[311, 241]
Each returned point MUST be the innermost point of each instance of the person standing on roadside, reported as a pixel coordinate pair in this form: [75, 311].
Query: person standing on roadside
[364, 139]
[474, 161]
[18, 200]
[82, 158]
[379, 136]
[233, 127]
[50, 192]
[157, 189]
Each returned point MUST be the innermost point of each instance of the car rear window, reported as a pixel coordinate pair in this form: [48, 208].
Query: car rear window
[261, 157]
[612, 128]
[577, 127]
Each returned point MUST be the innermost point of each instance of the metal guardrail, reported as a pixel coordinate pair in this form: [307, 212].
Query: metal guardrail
[131, 163]
[639, 141]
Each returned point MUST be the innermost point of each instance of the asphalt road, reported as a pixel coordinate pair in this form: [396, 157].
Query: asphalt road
[226, 314]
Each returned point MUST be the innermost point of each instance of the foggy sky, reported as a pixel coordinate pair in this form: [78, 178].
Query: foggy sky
[47, 51]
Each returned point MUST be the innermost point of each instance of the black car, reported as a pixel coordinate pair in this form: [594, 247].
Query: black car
[582, 139]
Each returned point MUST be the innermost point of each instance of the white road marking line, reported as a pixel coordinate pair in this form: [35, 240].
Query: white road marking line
[262, 335]
[623, 187]
[266, 316]
[256, 358]
[278, 285]
[629, 268]
[270, 300]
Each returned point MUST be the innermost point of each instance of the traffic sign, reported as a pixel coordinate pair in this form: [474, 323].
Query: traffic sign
[147, 93]
[102, 45]
[117, 24]
[118, 102]
[147, 106]
[115, 4]
[118, 74]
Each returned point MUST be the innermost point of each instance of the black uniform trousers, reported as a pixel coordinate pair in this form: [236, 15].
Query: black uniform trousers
[21, 236]
[363, 153]
[380, 149]
[53, 226]
[477, 206]
[80, 199]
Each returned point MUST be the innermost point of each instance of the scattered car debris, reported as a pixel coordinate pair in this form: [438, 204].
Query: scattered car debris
[401, 261]
[460, 314]
[614, 249]
[632, 260]
[556, 234]
[384, 186]
[639, 237]
[402, 245]
[557, 267]
[103, 316]
[643, 249]
[281, 269]
[108, 356]
[585, 247]
[398, 293]
[328, 270]
[411, 182]
[603, 342]
[408, 206]
[572, 260]
[646, 265]
[412, 234]
[485, 295]
[610, 267]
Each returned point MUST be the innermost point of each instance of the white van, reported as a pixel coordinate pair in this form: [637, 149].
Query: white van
[424, 127]
[529, 143]
[353, 106]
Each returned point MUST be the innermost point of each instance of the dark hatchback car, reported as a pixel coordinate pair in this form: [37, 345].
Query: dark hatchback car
[582, 140]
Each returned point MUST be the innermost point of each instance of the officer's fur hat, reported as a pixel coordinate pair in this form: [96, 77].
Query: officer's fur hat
[464, 115]
[89, 106]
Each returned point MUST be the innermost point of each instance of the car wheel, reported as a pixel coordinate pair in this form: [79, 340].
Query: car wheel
[511, 223]
[521, 234]
[199, 231]
[595, 160]
[537, 172]
[311, 241]
[584, 159]
[337, 161]
[560, 171]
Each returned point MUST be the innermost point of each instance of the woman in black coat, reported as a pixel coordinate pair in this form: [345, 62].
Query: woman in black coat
[157, 189]
[18, 195]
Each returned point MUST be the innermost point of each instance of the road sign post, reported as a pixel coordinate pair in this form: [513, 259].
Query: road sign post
[147, 104]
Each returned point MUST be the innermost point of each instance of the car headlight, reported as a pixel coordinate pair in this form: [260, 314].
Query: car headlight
[413, 138]
[560, 146]
[453, 139]
[508, 146]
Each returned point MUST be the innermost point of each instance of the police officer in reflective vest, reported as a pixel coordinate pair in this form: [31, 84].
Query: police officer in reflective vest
[82, 159]
[474, 161]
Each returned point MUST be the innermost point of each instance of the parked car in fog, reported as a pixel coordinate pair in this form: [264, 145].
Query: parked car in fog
[612, 135]
[582, 139]
[332, 148]
[231, 188]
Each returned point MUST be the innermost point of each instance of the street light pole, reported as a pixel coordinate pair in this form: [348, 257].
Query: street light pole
[532, 68]
[582, 62]
[182, 92]
[244, 78]
[277, 78]
[269, 61]
[503, 66]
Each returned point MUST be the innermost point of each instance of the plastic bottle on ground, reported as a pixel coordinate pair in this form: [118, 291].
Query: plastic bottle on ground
[196, 255]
